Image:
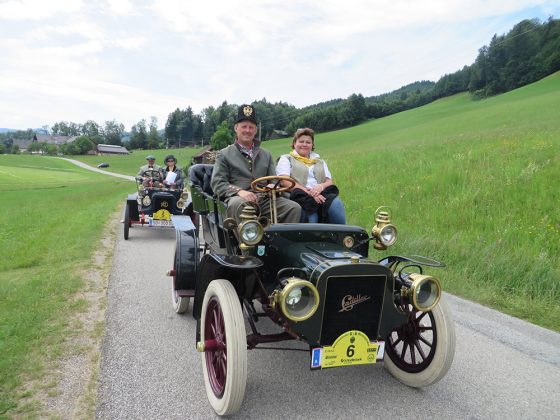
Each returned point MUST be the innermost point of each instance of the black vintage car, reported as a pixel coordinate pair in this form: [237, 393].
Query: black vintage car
[316, 282]
[153, 204]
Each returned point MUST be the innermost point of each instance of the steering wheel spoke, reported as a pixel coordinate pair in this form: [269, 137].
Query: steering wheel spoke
[276, 182]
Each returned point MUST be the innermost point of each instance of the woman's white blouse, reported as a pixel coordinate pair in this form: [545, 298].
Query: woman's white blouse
[283, 168]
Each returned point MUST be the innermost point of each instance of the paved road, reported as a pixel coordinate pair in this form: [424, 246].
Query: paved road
[94, 169]
[503, 368]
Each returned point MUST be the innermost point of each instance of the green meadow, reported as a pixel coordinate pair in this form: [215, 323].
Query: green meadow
[471, 183]
[51, 217]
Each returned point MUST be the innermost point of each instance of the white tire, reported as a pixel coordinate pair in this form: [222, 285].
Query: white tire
[420, 352]
[180, 304]
[225, 369]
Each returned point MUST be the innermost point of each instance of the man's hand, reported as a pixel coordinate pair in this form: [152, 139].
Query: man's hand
[247, 195]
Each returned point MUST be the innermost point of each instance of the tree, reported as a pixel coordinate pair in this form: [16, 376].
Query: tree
[34, 147]
[153, 139]
[51, 149]
[222, 137]
[112, 132]
[139, 135]
[90, 128]
[83, 144]
[64, 128]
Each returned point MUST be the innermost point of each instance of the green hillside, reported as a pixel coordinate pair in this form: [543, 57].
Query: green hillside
[473, 183]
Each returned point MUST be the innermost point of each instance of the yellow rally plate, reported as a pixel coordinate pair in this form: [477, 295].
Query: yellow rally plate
[162, 214]
[352, 348]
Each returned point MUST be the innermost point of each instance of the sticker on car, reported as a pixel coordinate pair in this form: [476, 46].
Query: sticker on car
[350, 348]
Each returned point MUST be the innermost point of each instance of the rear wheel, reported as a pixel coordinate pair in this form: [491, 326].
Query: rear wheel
[126, 221]
[420, 352]
[180, 303]
[224, 361]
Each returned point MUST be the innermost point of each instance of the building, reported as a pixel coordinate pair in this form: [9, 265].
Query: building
[110, 149]
[206, 155]
[24, 144]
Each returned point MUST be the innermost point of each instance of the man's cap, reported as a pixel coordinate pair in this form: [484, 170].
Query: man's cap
[150, 157]
[246, 113]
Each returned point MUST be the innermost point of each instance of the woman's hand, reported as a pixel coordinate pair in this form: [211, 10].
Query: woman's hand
[315, 191]
[319, 199]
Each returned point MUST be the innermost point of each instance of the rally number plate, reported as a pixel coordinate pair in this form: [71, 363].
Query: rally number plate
[162, 223]
[351, 348]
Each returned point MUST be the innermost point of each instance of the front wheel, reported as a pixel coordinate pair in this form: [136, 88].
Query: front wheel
[420, 352]
[224, 361]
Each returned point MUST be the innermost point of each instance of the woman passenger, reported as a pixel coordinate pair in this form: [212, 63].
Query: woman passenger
[173, 182]
[314, 189]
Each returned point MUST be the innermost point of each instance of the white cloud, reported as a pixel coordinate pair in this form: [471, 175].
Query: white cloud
[37, 9]
[128, 60]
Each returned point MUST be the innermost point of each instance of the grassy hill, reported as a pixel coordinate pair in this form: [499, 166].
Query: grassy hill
[473, 183]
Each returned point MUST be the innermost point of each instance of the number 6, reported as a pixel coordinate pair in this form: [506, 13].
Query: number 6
[350, 350]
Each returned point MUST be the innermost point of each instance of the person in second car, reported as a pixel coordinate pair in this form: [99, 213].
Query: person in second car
[150, 174]
[314, 191]
[172, 181]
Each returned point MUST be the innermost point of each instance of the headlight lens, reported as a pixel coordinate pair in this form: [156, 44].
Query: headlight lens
[425, 292]
[299, 299]
[388, 235]
[251, 232]
[146, 201]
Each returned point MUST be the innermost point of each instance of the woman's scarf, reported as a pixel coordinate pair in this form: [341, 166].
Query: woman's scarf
[307, 161]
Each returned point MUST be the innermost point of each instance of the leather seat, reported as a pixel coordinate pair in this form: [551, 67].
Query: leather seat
[200, 176]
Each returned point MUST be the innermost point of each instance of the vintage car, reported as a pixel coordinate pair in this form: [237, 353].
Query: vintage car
[315, 282]
[153, 204]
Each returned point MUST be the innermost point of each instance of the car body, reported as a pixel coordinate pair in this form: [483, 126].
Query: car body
[103, 165]
[316, 282]
[152, 205]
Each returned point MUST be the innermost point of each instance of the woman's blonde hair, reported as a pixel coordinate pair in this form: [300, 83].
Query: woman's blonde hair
[304, 132]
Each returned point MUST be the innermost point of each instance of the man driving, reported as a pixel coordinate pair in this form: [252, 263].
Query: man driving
[150, 172]
[239, 164]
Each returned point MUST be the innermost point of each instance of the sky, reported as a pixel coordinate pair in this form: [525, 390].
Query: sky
[128, 60]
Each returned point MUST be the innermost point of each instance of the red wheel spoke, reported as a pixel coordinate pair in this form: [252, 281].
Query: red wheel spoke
[420, 350]
[428, 343]
[422, 315]
[412, 353]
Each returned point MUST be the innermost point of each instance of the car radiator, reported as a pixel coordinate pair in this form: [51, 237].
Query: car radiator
[352, 303]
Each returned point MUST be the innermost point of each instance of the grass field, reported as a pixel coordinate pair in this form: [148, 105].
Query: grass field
[472, 183]
[51, 218]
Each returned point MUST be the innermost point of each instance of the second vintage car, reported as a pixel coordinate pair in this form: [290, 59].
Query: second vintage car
[153, 204]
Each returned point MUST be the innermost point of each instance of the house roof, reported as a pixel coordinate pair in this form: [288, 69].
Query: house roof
[205, 150]
[23, 143]
[111, 148]
[46, 138]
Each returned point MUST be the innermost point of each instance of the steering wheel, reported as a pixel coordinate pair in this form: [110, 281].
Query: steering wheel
[151, 173]
[273, 179]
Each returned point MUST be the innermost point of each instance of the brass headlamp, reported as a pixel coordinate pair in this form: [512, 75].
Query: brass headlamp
[384, 232]
[249, 231]
[298, 300]
[422, 291]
